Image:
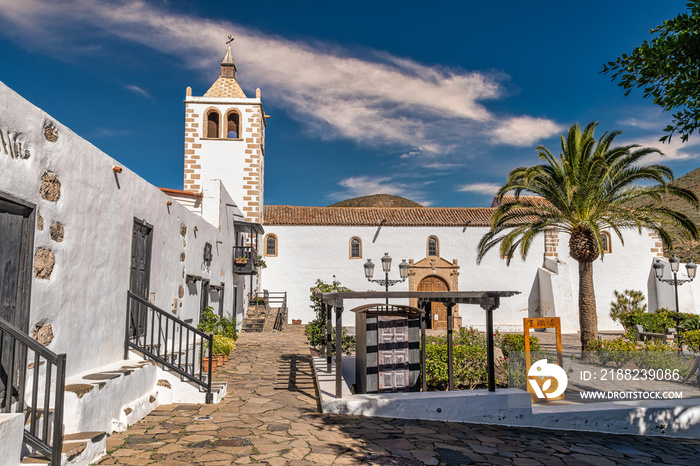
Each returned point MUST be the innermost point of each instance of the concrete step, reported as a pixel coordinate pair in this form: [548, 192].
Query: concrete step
[78, 449]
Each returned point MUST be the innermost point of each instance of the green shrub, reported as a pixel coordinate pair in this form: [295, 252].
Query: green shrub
[316, 335]
[659, 355]
[314, 332]
[626, 306]
[210, 322]
[688, 322]
[316, 329]
[468, 336]
[655, 322]
[469, 359]
[618, 351]
[515, 342]
[223, 345]
[691, 339]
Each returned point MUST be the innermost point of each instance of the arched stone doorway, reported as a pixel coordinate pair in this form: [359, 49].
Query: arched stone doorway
[438, 311]
[435, 274]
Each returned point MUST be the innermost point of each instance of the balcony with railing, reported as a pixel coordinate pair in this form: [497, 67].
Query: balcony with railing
[245, 260]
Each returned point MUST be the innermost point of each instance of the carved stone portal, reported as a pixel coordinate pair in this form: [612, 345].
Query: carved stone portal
[445, 272]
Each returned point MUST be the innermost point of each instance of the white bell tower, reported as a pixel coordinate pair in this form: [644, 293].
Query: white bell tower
[225, 140]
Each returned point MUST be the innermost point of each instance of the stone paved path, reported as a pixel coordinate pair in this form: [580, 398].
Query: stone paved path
[270, 415]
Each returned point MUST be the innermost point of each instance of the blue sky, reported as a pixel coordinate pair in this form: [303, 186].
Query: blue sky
[435, 102]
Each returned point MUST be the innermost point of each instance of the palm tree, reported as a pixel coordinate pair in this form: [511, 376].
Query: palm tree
[591, 186]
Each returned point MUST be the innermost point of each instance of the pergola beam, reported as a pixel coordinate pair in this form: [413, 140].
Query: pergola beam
[488, 300]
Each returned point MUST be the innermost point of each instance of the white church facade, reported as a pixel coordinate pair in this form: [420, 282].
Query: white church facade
[79, 230]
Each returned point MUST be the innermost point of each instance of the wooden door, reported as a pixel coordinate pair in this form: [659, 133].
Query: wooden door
[140, 276]
[438, 317]
[16, 246]
[204, 298]
[393, 353]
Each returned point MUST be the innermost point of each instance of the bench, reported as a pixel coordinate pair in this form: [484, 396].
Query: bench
[643, 336]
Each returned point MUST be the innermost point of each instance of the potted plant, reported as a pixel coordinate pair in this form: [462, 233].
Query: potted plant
[206, 362]
[241, 260]
[222, 348]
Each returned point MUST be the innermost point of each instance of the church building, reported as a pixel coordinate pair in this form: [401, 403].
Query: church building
[102, 273]
[224, 139]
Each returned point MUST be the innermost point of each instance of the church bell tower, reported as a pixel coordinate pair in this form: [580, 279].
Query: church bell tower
[225, 140]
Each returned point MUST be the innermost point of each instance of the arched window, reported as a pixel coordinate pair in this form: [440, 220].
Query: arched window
[355, 248]
[233, 125]
[433, 248]
[271, 245]
[607, 242]
[213, 118]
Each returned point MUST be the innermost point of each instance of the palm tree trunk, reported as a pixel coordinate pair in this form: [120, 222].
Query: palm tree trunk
[587, 315]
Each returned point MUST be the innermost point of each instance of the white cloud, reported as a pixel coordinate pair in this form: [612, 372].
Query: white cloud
[524, 131]
[140, 91]
[655, 124]
[380, 100]
[488, 189]
[673, 151]
[357, 186]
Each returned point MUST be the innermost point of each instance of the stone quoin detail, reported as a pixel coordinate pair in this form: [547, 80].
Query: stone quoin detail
[50, 187]
[44, 262]
[551, 244]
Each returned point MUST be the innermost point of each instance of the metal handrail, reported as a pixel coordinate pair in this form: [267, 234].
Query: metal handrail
[266, 300]
[281, 299]
[248, 252]
[50, 446]
[152, 328]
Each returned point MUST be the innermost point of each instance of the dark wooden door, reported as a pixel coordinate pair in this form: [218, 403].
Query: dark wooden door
[140, 276]
[204, 302]
[16, 245]
[438, 317]
[393, 353]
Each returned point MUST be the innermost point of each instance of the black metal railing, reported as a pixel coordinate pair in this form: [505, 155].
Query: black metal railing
[278, 300]
[169, 341]
[245, 260]
[44, 426]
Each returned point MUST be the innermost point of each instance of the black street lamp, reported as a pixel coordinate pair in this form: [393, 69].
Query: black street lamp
[691, 269]
[674, 262]
[386, 267]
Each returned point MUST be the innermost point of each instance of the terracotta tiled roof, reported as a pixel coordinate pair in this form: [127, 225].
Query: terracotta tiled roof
[225, 87]
[373, 216]
[527, 200]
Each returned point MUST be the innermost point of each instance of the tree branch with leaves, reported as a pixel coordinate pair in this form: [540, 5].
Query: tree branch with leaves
[667, 69]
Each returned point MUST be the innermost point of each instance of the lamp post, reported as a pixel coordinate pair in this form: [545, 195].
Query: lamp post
[674, 262]
[690, 268]
[386, 267]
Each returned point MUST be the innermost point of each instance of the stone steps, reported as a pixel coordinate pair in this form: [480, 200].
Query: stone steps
[253, 324]
[78, 449]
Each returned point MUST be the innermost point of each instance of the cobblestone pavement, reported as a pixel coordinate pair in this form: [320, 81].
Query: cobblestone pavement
[270, 415]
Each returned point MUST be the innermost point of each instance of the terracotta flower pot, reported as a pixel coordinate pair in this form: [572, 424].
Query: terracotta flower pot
[206, 362]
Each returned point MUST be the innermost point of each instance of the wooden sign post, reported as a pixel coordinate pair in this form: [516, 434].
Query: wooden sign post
[541, 322]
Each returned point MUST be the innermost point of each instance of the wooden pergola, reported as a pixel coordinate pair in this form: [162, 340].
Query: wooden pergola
[487, 300]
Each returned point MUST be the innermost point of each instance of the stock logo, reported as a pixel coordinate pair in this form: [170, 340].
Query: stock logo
[540, 377]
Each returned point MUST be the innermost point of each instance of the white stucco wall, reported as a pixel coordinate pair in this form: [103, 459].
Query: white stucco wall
[309, 252]
[306, 253]
[85, 298]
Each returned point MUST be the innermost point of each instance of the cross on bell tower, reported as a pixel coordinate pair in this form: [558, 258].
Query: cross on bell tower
[228, 67]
